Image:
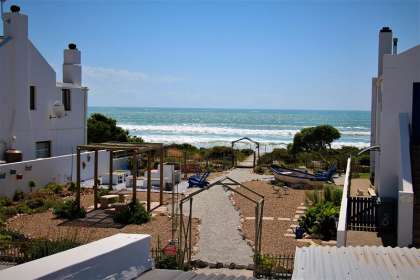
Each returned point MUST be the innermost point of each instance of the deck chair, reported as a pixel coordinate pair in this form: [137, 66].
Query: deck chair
[199, 181]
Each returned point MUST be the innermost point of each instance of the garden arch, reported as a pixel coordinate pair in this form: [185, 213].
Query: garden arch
[256, 156]
[185, 230]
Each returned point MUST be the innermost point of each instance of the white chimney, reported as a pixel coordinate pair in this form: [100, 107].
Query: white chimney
[72, 70]
[385, 46]
[15, 24]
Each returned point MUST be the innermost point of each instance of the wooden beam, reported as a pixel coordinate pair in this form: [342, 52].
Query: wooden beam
[149, 179]
[78, 178]
[134, 198]
[95, 182]
[161, 176]
[111, 169]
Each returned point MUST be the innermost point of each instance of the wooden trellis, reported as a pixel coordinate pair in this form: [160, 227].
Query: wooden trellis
[256, 155]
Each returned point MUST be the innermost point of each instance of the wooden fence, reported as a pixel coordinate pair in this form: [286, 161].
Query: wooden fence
[362, 213]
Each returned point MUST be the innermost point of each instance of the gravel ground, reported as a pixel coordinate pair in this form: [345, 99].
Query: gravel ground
[220, 238]
[284, 206]
[45, 225]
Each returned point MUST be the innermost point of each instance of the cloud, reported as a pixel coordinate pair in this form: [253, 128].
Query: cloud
[121, 87]
[123, 75]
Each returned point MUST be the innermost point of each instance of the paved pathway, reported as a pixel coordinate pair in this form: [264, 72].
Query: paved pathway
[220, 240]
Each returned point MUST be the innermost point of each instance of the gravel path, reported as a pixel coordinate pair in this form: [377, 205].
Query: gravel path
[220, 240]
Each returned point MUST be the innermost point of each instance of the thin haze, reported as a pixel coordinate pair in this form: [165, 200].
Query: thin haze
[223, 54]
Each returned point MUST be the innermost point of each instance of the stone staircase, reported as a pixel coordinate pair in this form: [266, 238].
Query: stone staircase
[415, 169]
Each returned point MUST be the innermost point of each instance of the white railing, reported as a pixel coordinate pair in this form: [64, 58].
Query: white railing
[405, 192]
[342, 220]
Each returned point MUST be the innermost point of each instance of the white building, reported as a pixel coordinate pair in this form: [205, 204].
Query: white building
[394, 110]
[38, 116]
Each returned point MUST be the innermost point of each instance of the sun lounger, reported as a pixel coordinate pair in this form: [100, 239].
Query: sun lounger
[199, 180]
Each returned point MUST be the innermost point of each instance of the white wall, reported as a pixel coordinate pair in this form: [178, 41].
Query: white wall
[121, 256]
[22, 66]
[399, 74]
[61, 169]
[405, 192]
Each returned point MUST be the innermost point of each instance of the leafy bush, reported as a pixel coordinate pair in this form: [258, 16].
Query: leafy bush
[31, 185]
[259, 169]
[5, 201]
[329, 193]
[43, 247]
[53, 188]
[134, 213]
[23, 208]
[166, 262]
[35, 203]
[321, 220]
[71, 187]
[18, 195]
[68, 210]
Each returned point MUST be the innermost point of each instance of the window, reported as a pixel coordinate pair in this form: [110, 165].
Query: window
[32, 98]
[43, 149]
[66, 99]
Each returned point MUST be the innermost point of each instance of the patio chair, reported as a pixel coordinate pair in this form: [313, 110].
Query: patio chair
[199, 180]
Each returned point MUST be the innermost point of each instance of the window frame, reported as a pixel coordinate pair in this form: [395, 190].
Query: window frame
[32, 97]
[49, 148]
[66, 98]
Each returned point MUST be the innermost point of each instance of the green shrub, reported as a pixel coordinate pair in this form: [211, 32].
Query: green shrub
[53, 188]
[259, 169]
[35, 203]
[71, 187]
[22, 208]
[19, 195]
[5, 201]
[166, 262]
[329, 193]
[43, 247]
[320, 219]
[68, 210]
[134, 213]
[31, 185]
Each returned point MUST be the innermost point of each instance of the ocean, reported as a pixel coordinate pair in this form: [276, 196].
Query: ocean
[211, 127]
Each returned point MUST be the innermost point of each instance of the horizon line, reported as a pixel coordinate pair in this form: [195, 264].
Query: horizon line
[227, 108]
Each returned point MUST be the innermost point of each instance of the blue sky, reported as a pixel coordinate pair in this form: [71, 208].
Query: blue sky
[225, 54]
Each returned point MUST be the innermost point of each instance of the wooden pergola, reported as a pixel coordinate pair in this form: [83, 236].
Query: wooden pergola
[150, 149]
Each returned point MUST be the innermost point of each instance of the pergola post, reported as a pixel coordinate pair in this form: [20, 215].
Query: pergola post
[185, 165]
[149, 179]
[78, 178]
[161, 176]
[233, 155]
[95, 181]
[111, 168]
[134, 184]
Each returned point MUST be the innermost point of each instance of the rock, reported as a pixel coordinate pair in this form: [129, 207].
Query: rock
[240, 266]
[232, 265]
[250, 266]
[201, 264]
[212, 265]
[219, 265]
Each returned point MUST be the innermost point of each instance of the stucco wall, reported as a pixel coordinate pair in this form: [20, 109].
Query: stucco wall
[400, 72]
[22, 66]
[59, 169]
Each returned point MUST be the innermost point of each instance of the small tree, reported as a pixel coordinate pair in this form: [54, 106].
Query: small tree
[314, 138]
[31, 185]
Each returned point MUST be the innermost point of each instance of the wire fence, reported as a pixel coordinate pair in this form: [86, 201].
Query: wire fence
[274, 266]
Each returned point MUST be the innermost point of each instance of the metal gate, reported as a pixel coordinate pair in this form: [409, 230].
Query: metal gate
[185, 229]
